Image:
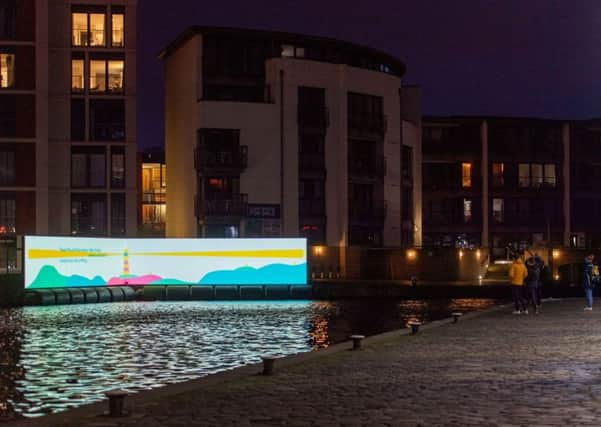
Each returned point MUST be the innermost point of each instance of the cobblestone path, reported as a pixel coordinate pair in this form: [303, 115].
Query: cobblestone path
[494, 369]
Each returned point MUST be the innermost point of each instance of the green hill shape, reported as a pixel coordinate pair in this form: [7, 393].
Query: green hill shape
[49, 277]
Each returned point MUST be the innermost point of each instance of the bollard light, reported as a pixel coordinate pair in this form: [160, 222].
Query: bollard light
[357, 341]
[268, 362]
[456, 317]
[116, 402]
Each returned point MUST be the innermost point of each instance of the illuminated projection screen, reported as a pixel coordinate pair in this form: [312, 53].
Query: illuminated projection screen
[58, 262]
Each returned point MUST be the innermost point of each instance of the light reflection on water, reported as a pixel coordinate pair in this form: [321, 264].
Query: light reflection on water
[56, 357]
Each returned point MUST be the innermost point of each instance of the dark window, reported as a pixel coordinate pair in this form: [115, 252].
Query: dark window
[7, 19]
[365, 113]
[118, 214]
[117, 167]
[7, 165]
[17, 116]
[88, 214]
[88, 167]
[107, 120]
[78, 120]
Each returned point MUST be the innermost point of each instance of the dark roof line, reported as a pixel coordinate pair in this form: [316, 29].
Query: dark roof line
[284, 36]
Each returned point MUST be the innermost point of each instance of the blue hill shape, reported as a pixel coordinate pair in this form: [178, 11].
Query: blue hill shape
[272, 274]
[49, 277]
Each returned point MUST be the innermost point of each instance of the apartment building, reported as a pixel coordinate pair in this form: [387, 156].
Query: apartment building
[279, 134]
[503, 182]
[67, 117]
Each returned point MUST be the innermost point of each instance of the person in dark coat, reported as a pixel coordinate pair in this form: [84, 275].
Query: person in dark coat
[587, 281]
[533, 282]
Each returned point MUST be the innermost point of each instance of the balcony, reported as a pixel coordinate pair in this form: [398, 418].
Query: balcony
[367, 124]
[154, 198]
[315, 117]
[311, 208]
[370, 213]
[234, 206]
[211, 162]
[367, 167]
[311, 162]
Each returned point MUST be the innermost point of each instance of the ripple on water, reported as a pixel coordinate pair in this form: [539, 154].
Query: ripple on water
[57, 357]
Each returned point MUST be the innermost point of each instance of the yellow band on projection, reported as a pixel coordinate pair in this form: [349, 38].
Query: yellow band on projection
[260, 253]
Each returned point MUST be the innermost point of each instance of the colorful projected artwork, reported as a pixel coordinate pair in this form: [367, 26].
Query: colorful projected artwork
[58, 262]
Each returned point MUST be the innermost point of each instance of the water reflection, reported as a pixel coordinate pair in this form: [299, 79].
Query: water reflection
[53, 358]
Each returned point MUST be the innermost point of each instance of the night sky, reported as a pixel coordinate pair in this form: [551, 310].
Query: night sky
[535, 58]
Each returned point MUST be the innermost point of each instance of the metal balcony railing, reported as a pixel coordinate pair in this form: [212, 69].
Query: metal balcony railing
[236, 159]
[312, 207]
[370, 212]
[367, 124]
[311, 162]
[235, 205]
[370, 167]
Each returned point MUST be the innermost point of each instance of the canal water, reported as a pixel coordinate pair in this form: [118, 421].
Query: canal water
[56, 357]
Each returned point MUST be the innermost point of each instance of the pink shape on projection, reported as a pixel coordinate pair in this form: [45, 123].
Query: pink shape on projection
[133, 281]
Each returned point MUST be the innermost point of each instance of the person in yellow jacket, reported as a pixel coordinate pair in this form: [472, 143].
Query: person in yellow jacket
[517, 275]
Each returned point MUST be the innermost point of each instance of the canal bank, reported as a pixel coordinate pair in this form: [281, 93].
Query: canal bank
[491, 368]
[13, 295]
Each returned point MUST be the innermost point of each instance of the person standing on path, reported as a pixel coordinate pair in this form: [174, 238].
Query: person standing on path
[542, 268]
[532, 283]
[517, 274]
[587, 281]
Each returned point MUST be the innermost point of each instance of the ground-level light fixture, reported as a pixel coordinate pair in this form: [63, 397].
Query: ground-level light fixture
[555, 253]
[411, 254]
[318, 250]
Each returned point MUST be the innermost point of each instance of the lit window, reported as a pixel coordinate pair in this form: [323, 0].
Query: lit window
[7, 70]
[300, 52]
[497, 174]
[79, 24]
[118, 30]
[77, 75]
[497, 210]
[287, 51]
[103, 78]
[216, 183]
[467, 210]
[97, 29]
[550, 178]
[466, 175]
[115, 80]
[524, 175]
[97, 76]
[536, 175]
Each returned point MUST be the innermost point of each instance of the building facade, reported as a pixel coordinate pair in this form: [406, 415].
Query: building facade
[67, 117]
[278, 134]
[504, 182]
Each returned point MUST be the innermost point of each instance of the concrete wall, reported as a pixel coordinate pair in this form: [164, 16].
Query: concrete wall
[181, 122]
